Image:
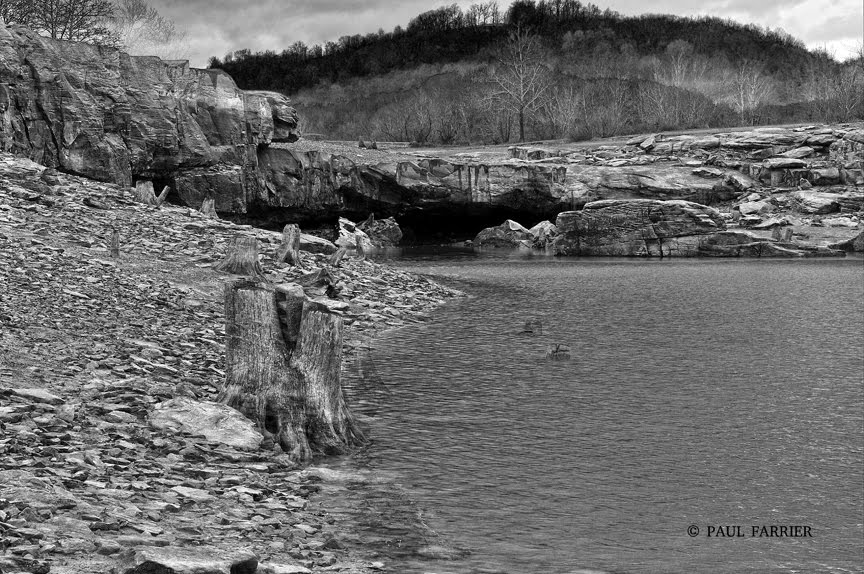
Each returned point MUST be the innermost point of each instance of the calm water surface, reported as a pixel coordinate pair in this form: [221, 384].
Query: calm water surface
[700, 392]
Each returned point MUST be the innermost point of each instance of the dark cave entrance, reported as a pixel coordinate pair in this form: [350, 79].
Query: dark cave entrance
[451, 224]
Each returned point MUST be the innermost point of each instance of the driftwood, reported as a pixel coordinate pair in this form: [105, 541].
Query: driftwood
[208, 208]
[144, 193]
[287, 379]
[290, 249]
[242, 258]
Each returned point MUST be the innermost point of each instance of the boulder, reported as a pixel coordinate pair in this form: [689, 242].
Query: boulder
[315, 244]
[214, 421]
[382, 232]
[815, 202]
[350, 237]
[509, 234]
[194, 560]
[854, 245]
[756, 207]
[640, 227]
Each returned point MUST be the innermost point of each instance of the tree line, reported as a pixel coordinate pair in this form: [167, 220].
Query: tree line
[450, 34]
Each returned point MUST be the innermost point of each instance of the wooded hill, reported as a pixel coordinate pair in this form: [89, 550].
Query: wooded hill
[444, 77]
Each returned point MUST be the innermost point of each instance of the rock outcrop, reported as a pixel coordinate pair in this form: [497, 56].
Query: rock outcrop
[651, 228]
[509, 234]
[103, 114]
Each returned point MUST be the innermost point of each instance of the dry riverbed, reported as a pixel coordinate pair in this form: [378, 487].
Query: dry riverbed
[90, 343]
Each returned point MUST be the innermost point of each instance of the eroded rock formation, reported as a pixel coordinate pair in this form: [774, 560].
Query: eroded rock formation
[103, 114]
[652, 228]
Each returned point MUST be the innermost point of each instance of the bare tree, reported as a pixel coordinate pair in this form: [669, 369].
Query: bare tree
[16, 11]
[750, 87]
[143, 31]
[76, 20]
[521, 77]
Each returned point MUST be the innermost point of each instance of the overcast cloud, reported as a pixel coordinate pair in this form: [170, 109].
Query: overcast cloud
[216, 27]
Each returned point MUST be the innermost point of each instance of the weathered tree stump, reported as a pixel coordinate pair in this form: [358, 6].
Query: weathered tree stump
[361, 250]
[290, 249]
[336, 258]
[144, 193]
[242, 258]
[292, 391]
[208, 208]
[114, 243]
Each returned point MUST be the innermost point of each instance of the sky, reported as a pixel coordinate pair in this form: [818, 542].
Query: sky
[216, 27]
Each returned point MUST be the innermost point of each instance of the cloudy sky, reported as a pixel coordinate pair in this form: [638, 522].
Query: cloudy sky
[216, 27]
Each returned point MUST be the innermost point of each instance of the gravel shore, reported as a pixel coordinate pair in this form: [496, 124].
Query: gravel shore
[89, 343]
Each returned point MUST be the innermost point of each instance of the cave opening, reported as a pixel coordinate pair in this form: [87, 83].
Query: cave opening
[451, 224]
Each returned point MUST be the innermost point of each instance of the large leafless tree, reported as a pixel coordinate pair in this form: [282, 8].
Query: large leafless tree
[521, 77]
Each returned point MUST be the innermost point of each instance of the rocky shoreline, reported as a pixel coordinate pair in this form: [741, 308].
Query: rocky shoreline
[91, 344]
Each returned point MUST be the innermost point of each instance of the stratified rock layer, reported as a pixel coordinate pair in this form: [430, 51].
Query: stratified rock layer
[651, 228]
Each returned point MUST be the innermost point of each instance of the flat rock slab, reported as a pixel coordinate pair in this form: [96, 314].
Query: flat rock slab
[216, 422]
[199, 560]
[37, 396]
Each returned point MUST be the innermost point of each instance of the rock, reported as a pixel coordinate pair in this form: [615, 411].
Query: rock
[350, 237]
[314, 244]
[784, 163]
[641, 227]
[509, 234]
[382, 232]
[824, 176]
[648, 143]
[199, 560]
[216, 422]
[854, 245]
[194, 494]
[816, 202]
[840, 222]
[798, 152]
[37, 396]
[708, 172]
[543, 229]
[754, 207]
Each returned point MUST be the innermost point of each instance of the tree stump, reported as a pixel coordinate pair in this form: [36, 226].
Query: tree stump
[242, 258]
[294, 394]
[115, 243]
[144, 193]
[290, 249]
[208, 208]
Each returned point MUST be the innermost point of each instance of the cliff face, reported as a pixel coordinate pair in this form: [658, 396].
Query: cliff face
[103, 114]
[654, 228]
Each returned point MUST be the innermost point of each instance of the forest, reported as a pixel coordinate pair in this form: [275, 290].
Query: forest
[551, 69]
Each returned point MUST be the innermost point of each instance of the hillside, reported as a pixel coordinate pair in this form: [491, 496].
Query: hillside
[440, 79]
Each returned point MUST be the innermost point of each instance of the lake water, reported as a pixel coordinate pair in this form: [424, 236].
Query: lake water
[700, 393]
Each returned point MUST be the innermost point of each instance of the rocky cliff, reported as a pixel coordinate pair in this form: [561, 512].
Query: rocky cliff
[300, 181]
[103, 114]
